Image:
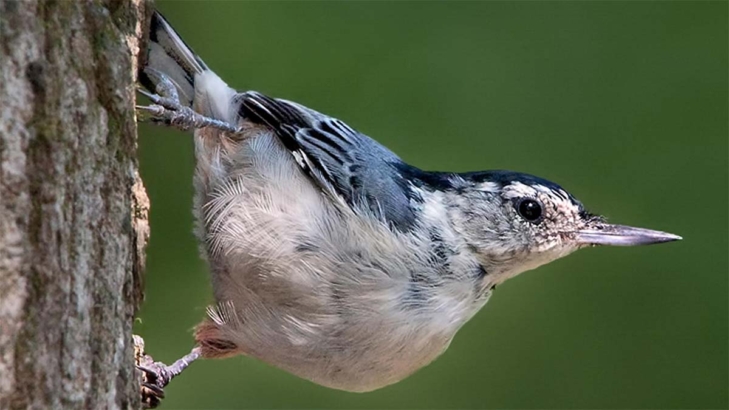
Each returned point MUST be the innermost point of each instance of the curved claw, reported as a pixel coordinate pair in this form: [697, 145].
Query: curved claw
[154, 109]
[157, 375]
[148, 94]
[153, 390]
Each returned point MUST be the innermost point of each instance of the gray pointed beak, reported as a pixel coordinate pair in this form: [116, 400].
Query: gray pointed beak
[621, 235]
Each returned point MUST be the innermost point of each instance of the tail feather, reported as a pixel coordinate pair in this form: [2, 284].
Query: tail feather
[167, 53]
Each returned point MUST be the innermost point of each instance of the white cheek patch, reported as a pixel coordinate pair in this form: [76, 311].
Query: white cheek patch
[560, 214]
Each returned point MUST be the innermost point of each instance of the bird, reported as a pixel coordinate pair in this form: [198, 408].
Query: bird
[330, 257]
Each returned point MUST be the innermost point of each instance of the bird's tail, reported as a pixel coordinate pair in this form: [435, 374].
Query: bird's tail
[168, 55]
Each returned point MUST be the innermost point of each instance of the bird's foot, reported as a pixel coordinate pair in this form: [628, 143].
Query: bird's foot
[157, 375]
[167, 109]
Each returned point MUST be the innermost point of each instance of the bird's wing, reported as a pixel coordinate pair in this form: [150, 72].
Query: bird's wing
[347, 165]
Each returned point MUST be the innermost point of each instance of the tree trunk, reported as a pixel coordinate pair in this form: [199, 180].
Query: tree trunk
[73, 211]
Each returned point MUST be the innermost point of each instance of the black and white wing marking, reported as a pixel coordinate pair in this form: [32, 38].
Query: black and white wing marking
[344, 163]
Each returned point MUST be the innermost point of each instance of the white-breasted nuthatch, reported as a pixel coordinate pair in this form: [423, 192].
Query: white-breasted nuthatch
[332, 258]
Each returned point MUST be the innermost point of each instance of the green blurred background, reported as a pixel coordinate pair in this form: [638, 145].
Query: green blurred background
[622, 103]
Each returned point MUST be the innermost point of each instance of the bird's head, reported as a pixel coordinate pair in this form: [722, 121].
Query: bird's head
[515, 222]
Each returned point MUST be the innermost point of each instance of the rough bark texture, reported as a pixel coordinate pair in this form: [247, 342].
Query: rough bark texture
[72, 207]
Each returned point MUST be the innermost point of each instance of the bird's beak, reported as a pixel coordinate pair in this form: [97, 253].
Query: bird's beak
[621, 235]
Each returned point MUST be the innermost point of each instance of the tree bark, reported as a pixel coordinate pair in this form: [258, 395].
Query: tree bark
[73, 211]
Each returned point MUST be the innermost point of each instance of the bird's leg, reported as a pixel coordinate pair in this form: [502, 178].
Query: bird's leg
[166, 107]
[157, 375]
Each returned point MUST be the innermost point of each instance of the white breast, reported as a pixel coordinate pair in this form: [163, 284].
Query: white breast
[318, 291]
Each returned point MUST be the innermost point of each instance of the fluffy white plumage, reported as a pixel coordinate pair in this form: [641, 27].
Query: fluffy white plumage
[317, 289]
[333, 259]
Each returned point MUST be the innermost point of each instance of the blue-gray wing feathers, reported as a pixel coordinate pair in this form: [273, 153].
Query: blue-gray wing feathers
[340, 160]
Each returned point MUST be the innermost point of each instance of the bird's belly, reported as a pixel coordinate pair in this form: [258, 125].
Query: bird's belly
[359, 355]
[321, 293]
[344, 329]
[348, 330]
[362, 365]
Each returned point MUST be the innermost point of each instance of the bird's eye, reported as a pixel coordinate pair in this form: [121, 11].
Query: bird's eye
[529, 209]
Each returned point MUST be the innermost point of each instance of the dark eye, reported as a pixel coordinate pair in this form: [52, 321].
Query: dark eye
[529, 209]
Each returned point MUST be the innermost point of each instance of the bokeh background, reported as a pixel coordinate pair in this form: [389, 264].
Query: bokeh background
[622, 103]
